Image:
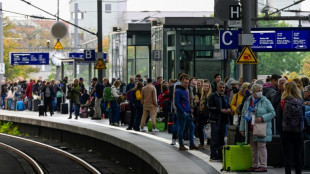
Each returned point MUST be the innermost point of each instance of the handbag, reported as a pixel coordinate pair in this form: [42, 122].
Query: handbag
[260, 129]
[59, 94]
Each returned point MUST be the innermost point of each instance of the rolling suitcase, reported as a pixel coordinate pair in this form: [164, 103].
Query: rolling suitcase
[307, 154]
[236, 157]
[35, 105]
[41, 109]
[64, 108]
[20, 106]
[275, 154]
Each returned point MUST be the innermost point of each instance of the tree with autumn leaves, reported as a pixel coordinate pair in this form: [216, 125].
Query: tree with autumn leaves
[9, 44]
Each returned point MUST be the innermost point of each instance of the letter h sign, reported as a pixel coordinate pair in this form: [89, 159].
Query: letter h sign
[234, 12]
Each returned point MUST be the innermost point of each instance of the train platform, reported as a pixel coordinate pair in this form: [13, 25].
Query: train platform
[152, 147]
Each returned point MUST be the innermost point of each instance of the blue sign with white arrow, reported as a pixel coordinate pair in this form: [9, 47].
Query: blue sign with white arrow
[29, 58]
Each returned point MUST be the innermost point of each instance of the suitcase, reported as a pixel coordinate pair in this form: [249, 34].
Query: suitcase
[20, 106]
[307, 154]
[64, 108]
[275, 154]
[41, 109]
[236, 157]
[123, 117]
[35, 105]
[231, 134]
[124, 106]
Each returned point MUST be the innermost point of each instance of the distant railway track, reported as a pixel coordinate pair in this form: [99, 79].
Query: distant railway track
[45, 158]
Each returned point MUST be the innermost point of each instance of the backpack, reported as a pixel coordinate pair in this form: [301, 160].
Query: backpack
[293, 115]
[107, 94]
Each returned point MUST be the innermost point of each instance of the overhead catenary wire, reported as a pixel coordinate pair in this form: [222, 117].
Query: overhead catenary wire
[58, 17]
[32, 16]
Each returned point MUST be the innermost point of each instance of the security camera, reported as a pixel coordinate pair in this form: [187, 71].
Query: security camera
[48, 43]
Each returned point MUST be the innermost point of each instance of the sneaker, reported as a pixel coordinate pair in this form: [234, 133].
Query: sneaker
[261, 169]
[116, 124]
[155, 130]
[129, 128]
[143, 129]
[214, 159]
[193, 147]
[173, 142]
[182, 148]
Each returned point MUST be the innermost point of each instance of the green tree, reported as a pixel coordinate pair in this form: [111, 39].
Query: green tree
[9, 44]
[279, 62]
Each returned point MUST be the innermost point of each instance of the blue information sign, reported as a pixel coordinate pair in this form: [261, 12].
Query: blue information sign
[270, 39]
[76, 55]
[29, 58]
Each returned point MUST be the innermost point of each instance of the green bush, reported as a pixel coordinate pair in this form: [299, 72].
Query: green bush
[8, 128]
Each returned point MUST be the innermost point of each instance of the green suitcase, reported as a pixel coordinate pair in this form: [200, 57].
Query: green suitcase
[237, 157]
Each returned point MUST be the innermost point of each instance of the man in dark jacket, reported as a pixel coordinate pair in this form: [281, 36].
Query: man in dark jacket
[217, 78]
[98, 93]
[184, 114]
[270, 89]
[219, 113]
[276, 103]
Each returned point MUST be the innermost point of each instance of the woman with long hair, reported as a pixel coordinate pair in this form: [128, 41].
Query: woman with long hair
[203, 113]
[74, 89]
[293, 109]
[115, 109]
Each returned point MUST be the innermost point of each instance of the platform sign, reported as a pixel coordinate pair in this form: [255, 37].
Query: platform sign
[89, 55]
[247, 56]
[76, 55]
[29, 58]
[100, 64]
[270, 39]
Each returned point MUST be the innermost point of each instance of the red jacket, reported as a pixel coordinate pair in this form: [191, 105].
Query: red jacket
[162, 98]
[28, 91]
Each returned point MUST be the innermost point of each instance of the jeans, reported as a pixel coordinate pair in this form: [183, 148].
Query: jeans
[48, 103]
[138, 116]
[76, 109]
[217, 139]
[54, 103]
[30, 100]
[185, 119]
[115, 111]
[3, 100]
[292, 142]
[132, 116]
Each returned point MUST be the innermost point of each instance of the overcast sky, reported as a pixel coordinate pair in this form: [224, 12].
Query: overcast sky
[133, 5]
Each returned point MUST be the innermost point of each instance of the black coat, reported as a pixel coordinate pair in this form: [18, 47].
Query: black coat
[215, 106]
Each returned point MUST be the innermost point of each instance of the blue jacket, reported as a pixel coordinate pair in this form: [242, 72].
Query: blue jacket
[264, 109]
[181, 100]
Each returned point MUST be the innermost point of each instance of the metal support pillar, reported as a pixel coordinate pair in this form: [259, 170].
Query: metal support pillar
[246, 25]
[1, 39]
[74, 68]
[89, 73]
[62, 71]
[99, 34]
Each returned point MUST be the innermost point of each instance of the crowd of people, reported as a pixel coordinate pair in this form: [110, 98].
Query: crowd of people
[196, 107]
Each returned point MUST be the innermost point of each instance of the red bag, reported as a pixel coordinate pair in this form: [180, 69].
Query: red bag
[124, 107]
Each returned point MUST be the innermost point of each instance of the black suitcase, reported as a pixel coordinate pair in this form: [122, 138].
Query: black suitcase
[275, 152]
[41, 109]
[123, 117]
[64, 108]
[35, 105]
[307, 154]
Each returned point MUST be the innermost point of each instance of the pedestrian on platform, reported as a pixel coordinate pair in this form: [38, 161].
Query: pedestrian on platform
[293, 109]
[149, 102]
[28, 94]
[184, 114]
[203, 115]
[131, 84]
[219, 114]
[217, 78]
[98, 93]
[74, 90]
[257, 110]
[49, 95]
[136, 99]
[115, 110]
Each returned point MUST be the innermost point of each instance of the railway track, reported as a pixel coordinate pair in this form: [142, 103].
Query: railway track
[41, 158]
